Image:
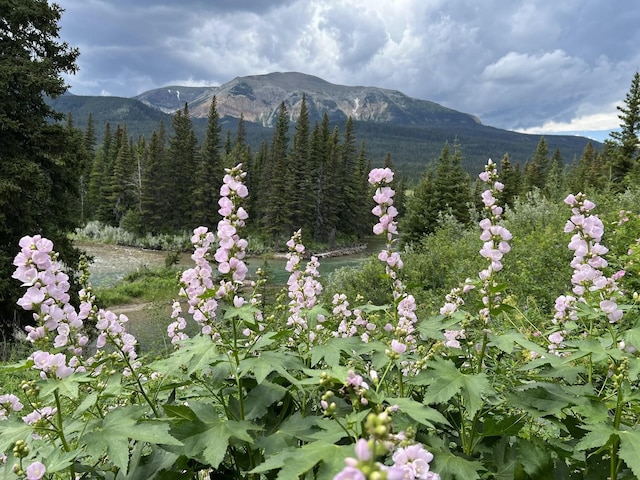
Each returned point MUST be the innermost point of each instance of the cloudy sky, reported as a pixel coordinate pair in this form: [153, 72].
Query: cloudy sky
[540, 66]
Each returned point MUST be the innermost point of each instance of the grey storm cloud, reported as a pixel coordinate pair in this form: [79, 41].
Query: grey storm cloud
[514, 64]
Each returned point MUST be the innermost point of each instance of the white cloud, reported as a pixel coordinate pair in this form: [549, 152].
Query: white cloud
[516, 65]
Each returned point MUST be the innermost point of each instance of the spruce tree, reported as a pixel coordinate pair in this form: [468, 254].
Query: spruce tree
[627, 141]
[509, 178]
[156, 185]
[39, 175]
[539, 166]
[320, 149]
[182, 156]
[452, 184]
[301, 197]
[276, 217]
[421, 210]
[350, 182]
[208, 174]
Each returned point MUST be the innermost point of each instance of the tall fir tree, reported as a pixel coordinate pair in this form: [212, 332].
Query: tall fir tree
[320, 149]
[208, 174]
[301, 196]
[626, 142]
[452, 187]
[182, 154]
[277, 214]
[510, 180]
[348, 215]
[537, 167]
[38, 174]
[156, 185]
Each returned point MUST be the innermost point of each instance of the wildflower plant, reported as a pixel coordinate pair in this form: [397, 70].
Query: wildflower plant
[338, 391]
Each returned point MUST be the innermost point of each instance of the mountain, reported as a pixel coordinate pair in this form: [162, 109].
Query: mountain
[258, 98]
[412, 130]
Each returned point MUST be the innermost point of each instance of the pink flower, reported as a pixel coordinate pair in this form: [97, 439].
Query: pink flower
[380, 175]
[398, 347]
[35, 471]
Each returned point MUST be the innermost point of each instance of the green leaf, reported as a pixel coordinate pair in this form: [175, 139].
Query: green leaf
[261, 397]
[195, 354]
[11, 430]
[555, 367]
[599, 349]
[448, 465]
[207, 438]
[331, 350]
[535, 459]
[67, 386]
[295, 462]
[113, 432]
[599, 435]
[148, 465]
[445, 381]
[180, 412]
[542, 399]
[271, 361]
[507, 341]
[433, 327]
[630, 450]
[293, 428]
[419, 412]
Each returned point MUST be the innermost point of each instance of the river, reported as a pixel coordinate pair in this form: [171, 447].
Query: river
[112, 263]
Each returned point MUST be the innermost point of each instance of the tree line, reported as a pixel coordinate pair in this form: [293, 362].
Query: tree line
[311, 177]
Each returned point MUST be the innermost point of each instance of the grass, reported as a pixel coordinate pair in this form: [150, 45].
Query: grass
[145, 285]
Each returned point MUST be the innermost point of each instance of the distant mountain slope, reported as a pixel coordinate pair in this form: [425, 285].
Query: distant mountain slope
[413, 131]
[258, 98]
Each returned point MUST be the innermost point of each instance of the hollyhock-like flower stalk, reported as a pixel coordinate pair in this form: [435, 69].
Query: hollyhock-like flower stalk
[232, 249]
[198, 282]
[303, 290]
[58, 323]
[495, 237]
[588, 280]
[351, 321]
[405, 303]
[195, 282]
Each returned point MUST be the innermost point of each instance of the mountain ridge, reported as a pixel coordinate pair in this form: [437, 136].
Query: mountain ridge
[413, 131]
[258, 99]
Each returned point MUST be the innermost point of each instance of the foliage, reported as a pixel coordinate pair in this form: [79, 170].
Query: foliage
[337, 389]
[40, 161]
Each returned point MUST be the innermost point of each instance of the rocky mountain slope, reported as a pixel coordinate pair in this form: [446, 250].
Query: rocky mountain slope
[258, 98]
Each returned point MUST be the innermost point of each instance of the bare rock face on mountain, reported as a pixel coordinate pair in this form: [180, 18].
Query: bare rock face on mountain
[258, 99]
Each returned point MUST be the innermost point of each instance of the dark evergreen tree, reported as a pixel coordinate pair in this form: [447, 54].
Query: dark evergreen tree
[452, 187]
[301, 181]
[539, 166]
[509, 177]
[627, 141]
[39, 167]
[421, 210]
[182, 160]
[276, 215]
[208, 174]
[156, 185]
[120, 188]
[349, 212]
[256, 188]
[332, 203]
[554, 187]
[320, 149]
